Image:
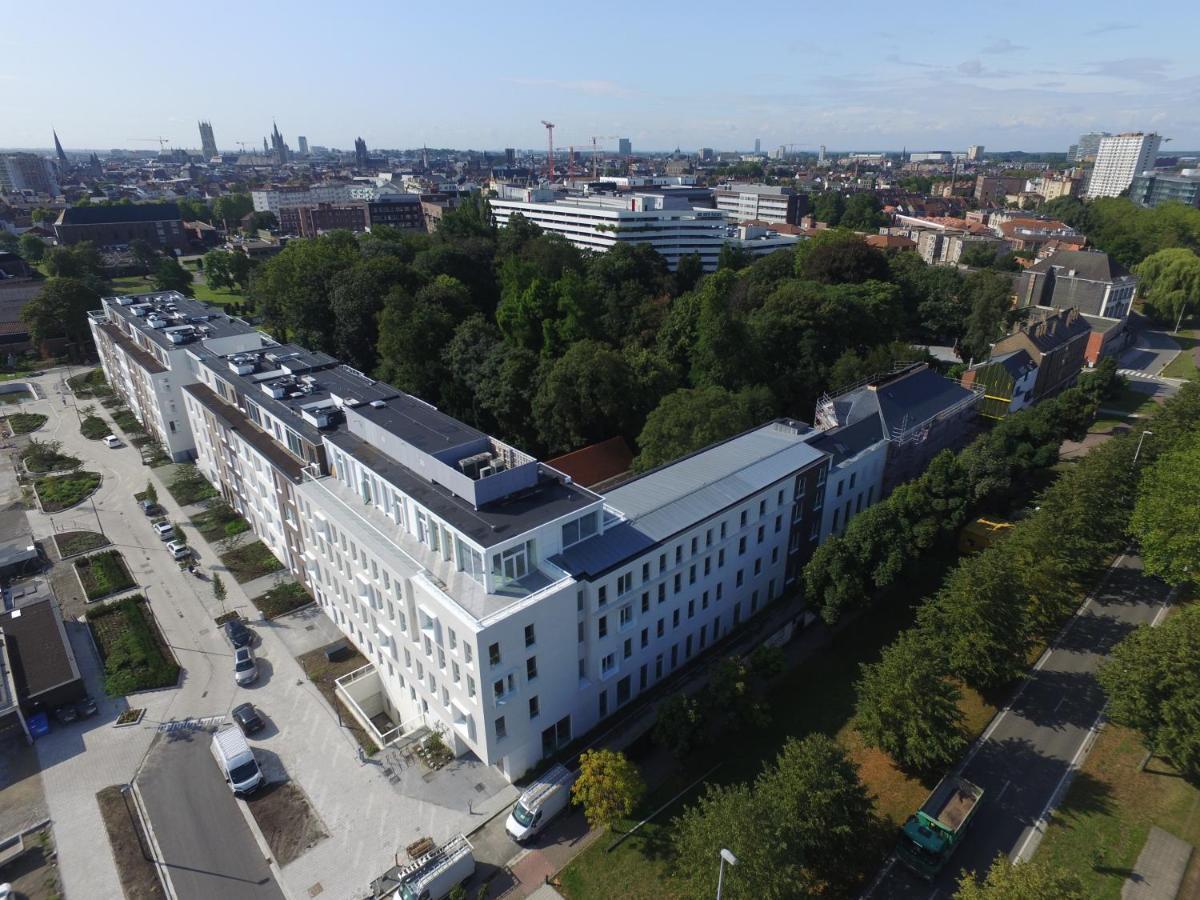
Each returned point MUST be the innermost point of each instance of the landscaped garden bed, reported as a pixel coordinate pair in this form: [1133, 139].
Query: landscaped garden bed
[220, 521]
[128, 422]
[135, 867]
[86, 384]
[251, 561]
[103, 574]
[59, 492]
[23, 423]
[134, 653]
[72, 543]
[323, 672]
[189, 486]
[282, 600]
[93, 428]
[41, 457]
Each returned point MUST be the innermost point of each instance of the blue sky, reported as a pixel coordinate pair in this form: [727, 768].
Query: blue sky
[864, 75]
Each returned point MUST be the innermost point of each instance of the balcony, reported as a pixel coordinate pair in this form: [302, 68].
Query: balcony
[365, 696]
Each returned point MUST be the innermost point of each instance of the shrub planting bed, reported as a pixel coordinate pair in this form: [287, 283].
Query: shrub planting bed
[103, 574]
[59, 492]
[23, 423]
[85, 385]
[219, 521]
[128, 422]
[251, 561]
[134, 653]
[93, 428]
[72, 543]
[41, 458]
[189, 486]
[282, 600]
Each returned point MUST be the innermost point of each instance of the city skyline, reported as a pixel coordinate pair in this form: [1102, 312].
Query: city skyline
[881, 81]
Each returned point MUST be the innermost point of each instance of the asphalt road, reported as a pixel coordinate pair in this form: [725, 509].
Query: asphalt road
[1026, 757]
[206, 844]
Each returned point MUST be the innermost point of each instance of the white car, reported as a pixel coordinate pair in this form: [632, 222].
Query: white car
[245, 669]
[112, 441]
[164, 529]
[179, 550]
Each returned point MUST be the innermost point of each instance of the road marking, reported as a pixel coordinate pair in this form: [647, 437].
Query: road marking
[1002, 790]
[883, 873]
[1058, 704]
[191, 724]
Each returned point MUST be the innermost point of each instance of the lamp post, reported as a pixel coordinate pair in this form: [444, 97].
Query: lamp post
[726, 857]
[1138, 451]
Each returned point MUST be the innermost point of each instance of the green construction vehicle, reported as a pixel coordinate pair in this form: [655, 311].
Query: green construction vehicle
[931, 835]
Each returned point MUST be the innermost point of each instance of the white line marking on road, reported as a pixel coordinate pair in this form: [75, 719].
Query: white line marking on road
[1060, 702]
[883, 873]
[1002, 790]
[205, 722]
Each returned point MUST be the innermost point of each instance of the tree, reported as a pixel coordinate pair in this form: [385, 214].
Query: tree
[863, 213]
[730, 691]
[194, 210]
[1166, 517]
[240, 266]
[169, 275]
[837, 256]
[688, 272]
[1153, 687]
[908, 707]
[143, 253]
[1170, 281]
[151, 492]
[32, 248]
[989, 298]
[232, 208]
[608, 787]
[729, 817]
[979, 254]
[216, 269]
[60, 309]
[1021, 881]
[412, 332]
[679, 724]
[583, 397]
[691, 418]
[75, 261]
[828, 207]
[219, 591]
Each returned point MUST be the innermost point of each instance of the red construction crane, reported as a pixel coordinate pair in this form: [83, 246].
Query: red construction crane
[550, 157]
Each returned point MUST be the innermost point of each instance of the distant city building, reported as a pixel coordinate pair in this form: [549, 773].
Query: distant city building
[510, 157]
[990, 190]
[1118, 159]
[1087, 280]
[401, 211]
[310, 221]
[1051, 187]
[60, 154]
[821, 156]
[758, 145]
[975, 153]
[931, 156]
[27, 173]
[303, 142]
[208, 143]
[773, 204]
[1088, 146]
[600, 222]
[274, 199]
[361, 157]
[282, 155]
[159, 224]
[1154, 188]
[706, 154]
[624, 147]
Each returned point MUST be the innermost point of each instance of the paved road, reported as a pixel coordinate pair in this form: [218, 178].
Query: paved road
[1028, 754]
[205, 843]
[1152, 353]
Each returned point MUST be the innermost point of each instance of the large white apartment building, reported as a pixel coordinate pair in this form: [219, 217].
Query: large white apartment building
[499, 603]
[599, 222]
[1118, 159]
[773, 204]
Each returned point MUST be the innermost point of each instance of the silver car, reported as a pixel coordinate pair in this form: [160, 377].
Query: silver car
[245, 669]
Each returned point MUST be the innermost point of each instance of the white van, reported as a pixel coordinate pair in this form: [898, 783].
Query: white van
[236, 760]
[542, 801]
[434, 875]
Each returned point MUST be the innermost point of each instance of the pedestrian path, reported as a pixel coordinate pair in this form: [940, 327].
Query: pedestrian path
[1159, 869]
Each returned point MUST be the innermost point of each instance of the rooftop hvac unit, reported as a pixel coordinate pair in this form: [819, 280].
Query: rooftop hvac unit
[378, 404]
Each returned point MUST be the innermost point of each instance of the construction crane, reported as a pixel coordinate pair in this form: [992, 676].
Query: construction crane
[596, 151]
[550, 156]
[162, 142]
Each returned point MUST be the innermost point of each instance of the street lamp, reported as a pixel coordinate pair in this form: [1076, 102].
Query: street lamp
[1138, 451]
[726, 857]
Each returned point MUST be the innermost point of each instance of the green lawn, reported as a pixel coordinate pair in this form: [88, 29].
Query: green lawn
[816, 696]
[251, 561]
[1131, 402]
[86, 383]
[219, 521]
[59, 492]
[23, 423]
[1103, 822]
[1184, 365]
[134, 653]
[93, 428]
[103, 574]
[189, 486]
[282, 600]
[138, 284]
[217, 296]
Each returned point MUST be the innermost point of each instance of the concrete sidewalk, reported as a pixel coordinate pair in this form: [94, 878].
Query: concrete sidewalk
[1159, 869]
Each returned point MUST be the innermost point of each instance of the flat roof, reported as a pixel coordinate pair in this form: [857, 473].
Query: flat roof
[423, 426]
[38, 648]
[488, 525]
[144, 359]
[234, 420]
[211, 320]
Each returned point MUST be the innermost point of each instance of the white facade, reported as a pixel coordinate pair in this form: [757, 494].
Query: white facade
[855, 483]
[1118, 159]
[599, 223]
[756, 202]
[274, 200]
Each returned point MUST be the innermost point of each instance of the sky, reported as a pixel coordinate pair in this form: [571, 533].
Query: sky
[853, 76]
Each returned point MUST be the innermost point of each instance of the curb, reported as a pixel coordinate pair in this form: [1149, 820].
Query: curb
[263, 847]
[503, 809]
[160, 867]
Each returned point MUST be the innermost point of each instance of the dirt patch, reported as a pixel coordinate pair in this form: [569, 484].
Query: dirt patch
[286, 820]
[34, 874]
[323, 673]
[22, 798]
[130, 849]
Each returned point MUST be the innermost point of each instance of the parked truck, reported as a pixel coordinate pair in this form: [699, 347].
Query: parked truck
[434, 875]
[931, 835]
[541, 802]
[236, 760]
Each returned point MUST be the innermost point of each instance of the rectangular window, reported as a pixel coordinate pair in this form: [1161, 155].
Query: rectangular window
[722, 531]
[628, 648]
[687, 648]
[603, 704]
[658, 667]
[579, 629]
[740, 578]
[741, 545]
[692, 575]
[704, 600]
[624, 583]
[675, 619]
[678, 583]
[531, 669]
[454, 672]
[645, 601]
[853, 476]
[761, 532]
[778, 523]
[624, 691]
[530, 636]
[662, 593]
[674, 656]
[642, 678]
[602, 594]
[533, 707]
[695, 545]
[626, 615]
[839, 487]
[661, 629]
[602, 626]
[743, 519]
[720, 590]
[691, 609]
[703, 636]
[758, 566]
[470, 686]
[494, 654]
[645, 571]
[678, 554]
[501, 730]
[662, 563]
[579, 600]
[707, 565]
[645, 637]
[708, 538]
[721, 558]
[608, 664]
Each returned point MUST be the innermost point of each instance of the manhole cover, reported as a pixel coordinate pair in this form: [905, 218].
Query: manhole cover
[310, 627]
[315, 889]
[479, 788]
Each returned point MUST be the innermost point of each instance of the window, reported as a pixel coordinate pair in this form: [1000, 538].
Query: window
[708, 538]
[579, 600]
[779, 499]
[453, 639]
[678, 554]
[662, 563]
[645, 571]
[580, 630]
[602, 626]
[740, 577]
[758, 566]
[579, 529]
[687, 648]
[722, 531]
[531, 669]
[660, 630]
[691, 609]
[741, 545]
[836, 515]
[675, 619]
[658, 667]
[628, 649]
[626, 615]
[624, 583]
[778, 523]
[533, 707]
[602, 594]
[720, 590]
[720, 558]
[645, 601]
[703, 636]
[603, 704]
[662, 593]
[501, 730]
[623, 691]
[645, 637]
[853, 476]
[695, 545]
[774, 555]
[707, 565]
[692, 575]
[454, 672]
[839, 487]
[704, 600]
[678, 582]
[642, 678]
[530, 636]
[470, 686]
[494, 654]
[498, 689]
[858, 505]
[761, 532]
[608, 664]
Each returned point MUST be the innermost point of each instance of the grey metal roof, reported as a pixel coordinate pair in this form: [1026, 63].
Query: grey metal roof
[901, 403]
[846, 441]
[670, 499]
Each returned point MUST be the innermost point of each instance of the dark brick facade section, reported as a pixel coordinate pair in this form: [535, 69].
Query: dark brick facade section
[1057, 341]
[159, 224]
[397, 211]
[805, 529]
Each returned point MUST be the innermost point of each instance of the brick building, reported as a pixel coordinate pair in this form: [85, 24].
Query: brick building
[159, 224]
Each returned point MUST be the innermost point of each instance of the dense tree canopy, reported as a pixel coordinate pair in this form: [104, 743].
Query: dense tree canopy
[1166, 519]
[59, 310]
[1170, 283]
